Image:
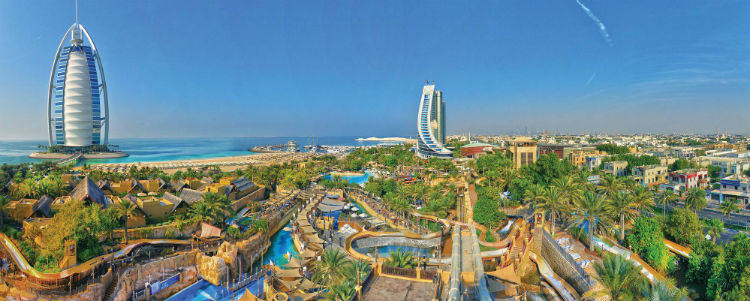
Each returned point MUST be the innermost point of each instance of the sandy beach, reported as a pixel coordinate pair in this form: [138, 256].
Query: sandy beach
[225, 163]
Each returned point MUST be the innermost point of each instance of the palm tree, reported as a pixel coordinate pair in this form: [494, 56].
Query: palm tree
[535, 195]
[592, 209]
[643, 199]
[340, 292]
[329, 270]
[3, 201]
[618, 276]
[714, 227]
[622, 205]
[357, 269]
[126, 209]
[555, 203]
[695, 199]
[728, 206]
[610, 185]
[666, 199]
[569, 187]
[662, 291]
[402, 259]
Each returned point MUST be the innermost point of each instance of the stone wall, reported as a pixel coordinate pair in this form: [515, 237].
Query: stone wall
[165, 231]
[133, 278]
[256, 195]
[564, 265]
[379, 241]
[249, 250]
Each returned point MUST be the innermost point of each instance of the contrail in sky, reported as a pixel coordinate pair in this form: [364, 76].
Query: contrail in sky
[602, 28]
[590, 79]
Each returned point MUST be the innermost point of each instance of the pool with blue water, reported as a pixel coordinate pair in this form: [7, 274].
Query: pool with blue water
[355, 179]
[281, 245]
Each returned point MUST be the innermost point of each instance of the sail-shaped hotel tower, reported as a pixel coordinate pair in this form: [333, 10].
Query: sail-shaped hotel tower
[431, 125]
[77, 106]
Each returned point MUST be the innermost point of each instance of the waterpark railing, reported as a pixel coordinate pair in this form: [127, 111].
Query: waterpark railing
[582, 277]
[244, 280]
[396, 271]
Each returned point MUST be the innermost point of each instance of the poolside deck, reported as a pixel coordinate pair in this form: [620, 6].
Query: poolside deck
[384, 288]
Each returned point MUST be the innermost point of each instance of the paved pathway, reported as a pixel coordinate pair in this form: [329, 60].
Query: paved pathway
[385, 289]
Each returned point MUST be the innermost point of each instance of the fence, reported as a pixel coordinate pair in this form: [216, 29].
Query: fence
[403, 272]
[564, 265]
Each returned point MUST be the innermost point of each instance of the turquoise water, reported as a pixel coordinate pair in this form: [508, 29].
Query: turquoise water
[359, 180]
[150, 149]
[204, 290]
[281, 244]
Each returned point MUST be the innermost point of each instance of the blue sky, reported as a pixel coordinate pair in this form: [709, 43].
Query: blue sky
[319, 68]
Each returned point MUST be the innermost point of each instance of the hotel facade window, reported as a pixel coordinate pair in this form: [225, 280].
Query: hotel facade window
[431, 125]
[77, 91]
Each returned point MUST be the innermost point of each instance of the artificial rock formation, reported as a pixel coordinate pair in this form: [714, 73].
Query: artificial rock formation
[212, 268]
[228, 252]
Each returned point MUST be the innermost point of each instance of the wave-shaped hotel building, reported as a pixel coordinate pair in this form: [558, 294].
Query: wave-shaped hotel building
[431, 125]
[77, 106]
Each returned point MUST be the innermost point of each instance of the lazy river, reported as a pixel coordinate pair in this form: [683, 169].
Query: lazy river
[281, 245]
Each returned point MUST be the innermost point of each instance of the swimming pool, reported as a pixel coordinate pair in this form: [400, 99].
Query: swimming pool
[204, 290]
[281, 244]
[355, 179]
[385, 251]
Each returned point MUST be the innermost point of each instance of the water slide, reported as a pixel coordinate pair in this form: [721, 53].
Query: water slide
[677, 249]
[549, 275]
[24, 266]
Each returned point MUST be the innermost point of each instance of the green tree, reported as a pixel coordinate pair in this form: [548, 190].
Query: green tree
[683, 226]
[621, 205]
[646, 239]
[329, 270]
[486, 212]
[728, 206]
[666, 199]
[554, 202]
[618, 276]
[612, 149]
[714, 228]
[125, 210]
[591, 208]
[610, 185]
[729, 270]
[695, 199]
[661, 291]
[402, 259]
[3, 202]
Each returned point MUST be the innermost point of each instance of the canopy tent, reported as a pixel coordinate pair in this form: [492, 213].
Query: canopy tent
[313, 239]
[299, 296]
[506, 274]
[248, 296]
[306, 285]
[290, 274]
[293, 263]
[307, 229]
[307, 254]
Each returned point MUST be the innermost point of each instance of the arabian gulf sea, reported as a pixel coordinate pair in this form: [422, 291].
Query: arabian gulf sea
[166, 149]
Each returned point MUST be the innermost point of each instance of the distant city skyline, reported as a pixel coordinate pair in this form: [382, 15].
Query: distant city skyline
[291, 68]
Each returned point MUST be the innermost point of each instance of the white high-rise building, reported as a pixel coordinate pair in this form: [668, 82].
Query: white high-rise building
[431, 125]
[77, 90]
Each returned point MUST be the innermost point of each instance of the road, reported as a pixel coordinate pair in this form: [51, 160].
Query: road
[735, 219]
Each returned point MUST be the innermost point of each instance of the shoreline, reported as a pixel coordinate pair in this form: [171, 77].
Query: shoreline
[58, 156]
[228, 163]
[388, 139]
